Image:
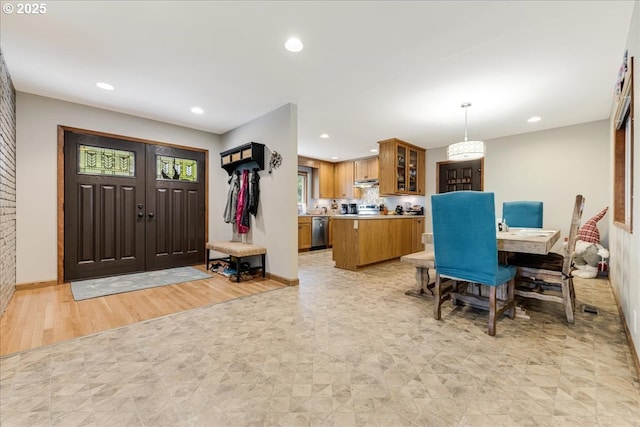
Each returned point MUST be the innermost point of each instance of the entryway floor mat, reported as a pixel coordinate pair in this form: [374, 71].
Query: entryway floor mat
[92, 288]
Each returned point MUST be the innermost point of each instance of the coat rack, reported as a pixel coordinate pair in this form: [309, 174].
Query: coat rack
[246, 153]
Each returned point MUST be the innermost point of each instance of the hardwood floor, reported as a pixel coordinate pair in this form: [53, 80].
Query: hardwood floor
[37, 317]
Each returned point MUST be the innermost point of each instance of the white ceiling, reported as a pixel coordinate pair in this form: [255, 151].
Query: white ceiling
[370, 70]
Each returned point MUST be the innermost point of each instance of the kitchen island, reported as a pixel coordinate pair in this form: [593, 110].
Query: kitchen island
[361, 240]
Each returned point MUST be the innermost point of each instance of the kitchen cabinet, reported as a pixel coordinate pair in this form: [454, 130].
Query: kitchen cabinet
[304, 232]
[417, 228]
[402, 168]
[330, 242]
[362, 240]
[343, 181]
[308, 162]
[326, 180]
[366, 168]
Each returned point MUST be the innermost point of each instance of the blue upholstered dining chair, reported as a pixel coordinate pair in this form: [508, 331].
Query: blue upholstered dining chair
[466, 254]
[525, 214]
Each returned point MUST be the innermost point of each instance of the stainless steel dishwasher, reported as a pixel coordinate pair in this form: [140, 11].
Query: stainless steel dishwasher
[319, 231]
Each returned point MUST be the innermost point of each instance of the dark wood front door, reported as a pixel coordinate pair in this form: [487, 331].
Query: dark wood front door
[457, 176]
[121, 216]
[175, 211]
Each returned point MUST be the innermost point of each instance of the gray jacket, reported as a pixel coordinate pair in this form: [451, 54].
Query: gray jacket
[232, 199]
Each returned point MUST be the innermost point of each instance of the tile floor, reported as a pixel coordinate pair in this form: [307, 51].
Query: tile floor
[342, 349]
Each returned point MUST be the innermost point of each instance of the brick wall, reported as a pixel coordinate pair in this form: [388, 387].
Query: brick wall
[7, 186]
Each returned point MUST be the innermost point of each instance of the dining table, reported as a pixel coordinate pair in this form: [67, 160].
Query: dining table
[525, 240]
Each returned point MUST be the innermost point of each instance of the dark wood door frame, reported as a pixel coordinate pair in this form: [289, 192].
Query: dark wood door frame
[60, 183]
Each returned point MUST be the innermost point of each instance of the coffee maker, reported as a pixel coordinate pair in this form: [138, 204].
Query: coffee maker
[344, 209]
[353, 208]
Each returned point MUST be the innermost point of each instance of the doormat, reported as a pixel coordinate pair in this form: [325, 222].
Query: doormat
[92, 288]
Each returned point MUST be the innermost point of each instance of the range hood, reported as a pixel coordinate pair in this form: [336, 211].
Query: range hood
[365, 183]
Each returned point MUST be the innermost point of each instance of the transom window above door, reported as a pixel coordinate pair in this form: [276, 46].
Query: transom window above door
[176, 168]
[106, 161]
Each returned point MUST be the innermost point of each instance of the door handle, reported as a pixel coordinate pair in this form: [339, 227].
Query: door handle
[151, 215]
[140, 215]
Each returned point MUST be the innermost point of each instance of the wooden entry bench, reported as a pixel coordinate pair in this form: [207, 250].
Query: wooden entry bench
[237, 250]
[423, 261]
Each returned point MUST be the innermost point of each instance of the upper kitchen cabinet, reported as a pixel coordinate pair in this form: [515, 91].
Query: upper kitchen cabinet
[366, 168]
[402, 168]
[308, 162]
[343, 181]
[326, 180]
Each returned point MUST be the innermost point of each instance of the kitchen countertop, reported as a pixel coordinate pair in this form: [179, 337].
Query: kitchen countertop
[369, 216]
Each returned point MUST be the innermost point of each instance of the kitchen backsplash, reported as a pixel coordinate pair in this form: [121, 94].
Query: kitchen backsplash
[371, 196]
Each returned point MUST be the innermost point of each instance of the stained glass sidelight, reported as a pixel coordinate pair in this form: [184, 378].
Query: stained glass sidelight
[176, 168]
[106, 161]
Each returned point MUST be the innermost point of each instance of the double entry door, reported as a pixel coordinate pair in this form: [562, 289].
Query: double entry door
[130, 206]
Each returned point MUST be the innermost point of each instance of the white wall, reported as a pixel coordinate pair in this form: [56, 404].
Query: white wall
[544, 166]
[276, 224]
[625, 247]
[36, 164]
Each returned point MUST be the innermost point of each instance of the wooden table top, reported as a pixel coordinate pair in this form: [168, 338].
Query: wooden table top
[527, 240]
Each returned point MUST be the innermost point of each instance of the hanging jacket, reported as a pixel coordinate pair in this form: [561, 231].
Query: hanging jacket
[245, 218]
[243, 198]
[232, 199]
[254, 192]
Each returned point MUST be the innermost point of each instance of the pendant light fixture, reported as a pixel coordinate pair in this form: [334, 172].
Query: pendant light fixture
[466, 150]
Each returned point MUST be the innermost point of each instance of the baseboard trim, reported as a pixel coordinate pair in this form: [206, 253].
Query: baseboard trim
[632, 347]
[47, 283]
[284, 280]
[36, 285]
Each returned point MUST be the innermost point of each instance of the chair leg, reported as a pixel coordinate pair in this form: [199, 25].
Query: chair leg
[573, 293]
[492, 310]
[567, 300]
[438, 297]
[511, 298]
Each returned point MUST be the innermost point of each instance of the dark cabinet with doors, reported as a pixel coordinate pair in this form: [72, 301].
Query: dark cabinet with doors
[460, 176]
[249, 152]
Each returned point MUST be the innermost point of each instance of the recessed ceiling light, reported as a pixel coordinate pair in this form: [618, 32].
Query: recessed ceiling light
[324, 135]
[293, 44]
[197, 110]
[334, 158]
[374, 150]
[534, 119]
[105, 86]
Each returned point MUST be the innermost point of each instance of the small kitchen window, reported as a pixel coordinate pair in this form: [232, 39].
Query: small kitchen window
[302, 187]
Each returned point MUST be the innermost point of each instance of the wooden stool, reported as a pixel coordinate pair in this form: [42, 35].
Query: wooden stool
[237, 250]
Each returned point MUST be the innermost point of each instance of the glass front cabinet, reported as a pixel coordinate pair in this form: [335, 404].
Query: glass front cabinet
[402, 168]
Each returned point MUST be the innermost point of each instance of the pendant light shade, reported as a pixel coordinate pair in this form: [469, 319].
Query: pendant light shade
[466, 150]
